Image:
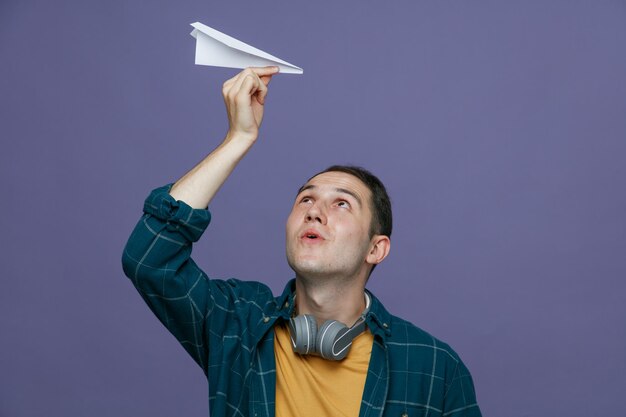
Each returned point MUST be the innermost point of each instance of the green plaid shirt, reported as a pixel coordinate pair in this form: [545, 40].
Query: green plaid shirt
[227, 327]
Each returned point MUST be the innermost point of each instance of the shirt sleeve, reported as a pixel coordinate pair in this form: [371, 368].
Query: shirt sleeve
[157, 259]
[460, 396]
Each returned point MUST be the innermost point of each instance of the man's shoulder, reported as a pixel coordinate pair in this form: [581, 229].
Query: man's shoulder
[404, 334]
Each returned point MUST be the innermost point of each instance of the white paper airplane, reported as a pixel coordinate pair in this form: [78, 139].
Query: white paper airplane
[217, 49]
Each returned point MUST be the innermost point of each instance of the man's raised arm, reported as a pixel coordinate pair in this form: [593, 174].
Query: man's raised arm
[244, 96]
[157, 256]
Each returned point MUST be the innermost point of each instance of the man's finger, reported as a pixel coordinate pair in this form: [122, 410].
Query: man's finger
[263, 71]
[237, 80]
[232, 86]
[254, 71]
[230, 82]
[266, 79]
[236, 86]
[262, 91]
[249, 86]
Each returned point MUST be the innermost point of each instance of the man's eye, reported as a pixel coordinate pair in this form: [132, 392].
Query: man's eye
[305, 200]
[343, 203]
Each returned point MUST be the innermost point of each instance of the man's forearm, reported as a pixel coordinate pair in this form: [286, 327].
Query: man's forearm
[244, 96]
[198, 187]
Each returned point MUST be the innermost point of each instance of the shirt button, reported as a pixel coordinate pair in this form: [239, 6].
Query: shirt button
[385, 325]
[266, 319]
[286, 304]
[405, 415]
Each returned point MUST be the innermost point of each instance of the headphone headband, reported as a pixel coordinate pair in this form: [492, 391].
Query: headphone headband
[332, 340]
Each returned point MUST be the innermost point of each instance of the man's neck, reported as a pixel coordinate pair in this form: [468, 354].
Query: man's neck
[330, 300]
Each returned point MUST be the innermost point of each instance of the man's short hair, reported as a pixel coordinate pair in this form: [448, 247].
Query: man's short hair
[380, 203]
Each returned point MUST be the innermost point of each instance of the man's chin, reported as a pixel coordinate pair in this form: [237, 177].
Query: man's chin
[309, 268]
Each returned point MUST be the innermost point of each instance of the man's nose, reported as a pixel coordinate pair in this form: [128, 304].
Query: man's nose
[315, 213]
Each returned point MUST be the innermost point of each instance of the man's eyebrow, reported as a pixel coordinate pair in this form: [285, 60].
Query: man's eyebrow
[304, 188]
[339, 190]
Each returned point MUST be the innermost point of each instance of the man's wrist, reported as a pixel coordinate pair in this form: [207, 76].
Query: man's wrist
[241, 138]
[234, 147]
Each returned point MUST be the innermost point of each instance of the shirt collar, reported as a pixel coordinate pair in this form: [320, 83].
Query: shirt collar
[378, 319]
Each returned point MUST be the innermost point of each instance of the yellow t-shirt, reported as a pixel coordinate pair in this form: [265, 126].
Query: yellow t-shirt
[316, 387]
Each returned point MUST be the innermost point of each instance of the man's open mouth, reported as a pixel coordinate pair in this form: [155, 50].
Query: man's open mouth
[311, 234]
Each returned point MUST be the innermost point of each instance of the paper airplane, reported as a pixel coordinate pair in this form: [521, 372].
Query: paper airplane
[217, 49]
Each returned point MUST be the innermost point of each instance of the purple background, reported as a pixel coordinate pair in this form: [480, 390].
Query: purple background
[499, 129]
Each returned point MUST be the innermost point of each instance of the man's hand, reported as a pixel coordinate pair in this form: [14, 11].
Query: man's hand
[244, 95]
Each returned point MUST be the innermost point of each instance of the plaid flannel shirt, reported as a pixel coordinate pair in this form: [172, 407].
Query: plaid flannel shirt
[227, 327]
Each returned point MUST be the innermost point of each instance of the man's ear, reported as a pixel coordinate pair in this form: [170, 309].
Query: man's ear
[380, 247]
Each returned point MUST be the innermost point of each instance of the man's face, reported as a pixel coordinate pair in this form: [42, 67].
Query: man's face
[328, 228]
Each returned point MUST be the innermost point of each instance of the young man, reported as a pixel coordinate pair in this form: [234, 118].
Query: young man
[292, 355]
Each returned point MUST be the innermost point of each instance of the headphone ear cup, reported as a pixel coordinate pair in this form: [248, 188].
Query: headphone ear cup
[327, 336]
[303, 333]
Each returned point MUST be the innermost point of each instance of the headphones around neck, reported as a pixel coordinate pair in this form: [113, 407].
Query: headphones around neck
[331, 341]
